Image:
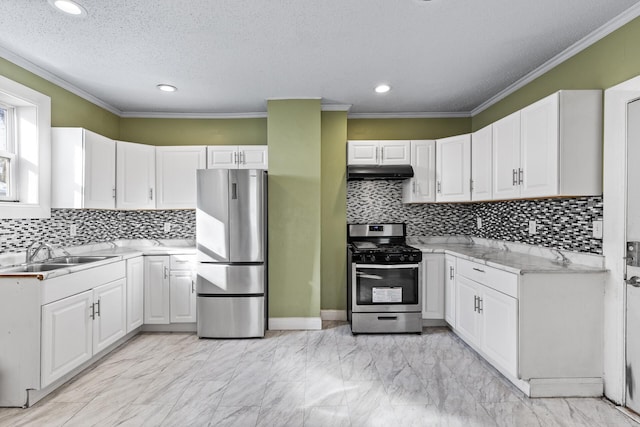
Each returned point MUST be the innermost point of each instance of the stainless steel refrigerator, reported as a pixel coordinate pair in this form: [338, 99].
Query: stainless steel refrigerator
[231, 241]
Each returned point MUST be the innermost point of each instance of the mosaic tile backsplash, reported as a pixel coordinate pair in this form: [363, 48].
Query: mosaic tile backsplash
[96, 226]
[561, 223]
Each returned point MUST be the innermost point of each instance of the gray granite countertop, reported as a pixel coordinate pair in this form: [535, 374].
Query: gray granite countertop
[518, 259]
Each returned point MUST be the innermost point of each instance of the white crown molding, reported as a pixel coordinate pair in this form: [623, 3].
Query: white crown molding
[336, 107]
[600, 33]
[288, 98]
[441, 115]
[50, 77]
[159, 115]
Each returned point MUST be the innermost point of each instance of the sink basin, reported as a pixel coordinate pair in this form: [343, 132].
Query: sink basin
[34, 268]
[76, 259]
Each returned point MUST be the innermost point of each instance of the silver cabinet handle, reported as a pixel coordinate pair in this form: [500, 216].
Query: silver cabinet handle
[151, 194]
[98, 310]
[475, 303]
[514, 177]
[520, 175]
[235, 157]
[634, 281]
[193, 286]
[243, 159]
[477, 269]
[166, 272]
[92, 314]
[450, 272]
[439, 187]
[471, 185]
[113, 192]
[377, 155]
[480, 305]
[414, 187]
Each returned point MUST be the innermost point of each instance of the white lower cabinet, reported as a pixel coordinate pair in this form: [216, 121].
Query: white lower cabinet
[169, 289]
[135, 293]
[67, 331]
[450, 290]
[433, 286]
[77, 327]
[467, 321]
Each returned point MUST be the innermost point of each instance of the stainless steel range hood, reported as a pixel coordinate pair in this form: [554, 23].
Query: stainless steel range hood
[355, 172]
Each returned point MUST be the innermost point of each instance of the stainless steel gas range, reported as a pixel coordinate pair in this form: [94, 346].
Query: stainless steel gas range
[384, 282]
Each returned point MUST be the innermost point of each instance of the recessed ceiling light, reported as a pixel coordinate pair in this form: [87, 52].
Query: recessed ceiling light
[69, 7]
[167, 88]
[383, 88]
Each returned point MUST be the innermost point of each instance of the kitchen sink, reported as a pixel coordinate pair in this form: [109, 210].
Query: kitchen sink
[76, 259]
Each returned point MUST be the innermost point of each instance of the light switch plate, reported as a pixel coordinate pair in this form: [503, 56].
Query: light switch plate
[597, 229]
[73, 230]
[532, 227]
[167, 227]
[479, 223]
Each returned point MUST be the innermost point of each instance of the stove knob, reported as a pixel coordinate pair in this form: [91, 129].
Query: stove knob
[401, 257]
[410, 257]
[372, 257]
[387, 257]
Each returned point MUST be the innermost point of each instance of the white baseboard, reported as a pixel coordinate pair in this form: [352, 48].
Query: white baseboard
[172, 327]
[294, 323]
[566, 387]
[333, 314]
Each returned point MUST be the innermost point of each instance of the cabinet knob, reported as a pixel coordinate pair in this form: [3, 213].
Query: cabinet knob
[634, 281]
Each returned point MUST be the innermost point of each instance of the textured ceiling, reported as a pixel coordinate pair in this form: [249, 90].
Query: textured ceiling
[229, 56]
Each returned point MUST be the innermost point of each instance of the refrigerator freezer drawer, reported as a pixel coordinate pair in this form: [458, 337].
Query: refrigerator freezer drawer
[230, 317]
[226, 279]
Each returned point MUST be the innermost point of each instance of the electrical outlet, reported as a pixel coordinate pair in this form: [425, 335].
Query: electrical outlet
[597, 229]
[167, 227]
[532, 227]
[73, 230]
[479, 222]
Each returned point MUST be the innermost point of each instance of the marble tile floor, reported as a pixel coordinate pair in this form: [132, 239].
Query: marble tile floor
[302, 378]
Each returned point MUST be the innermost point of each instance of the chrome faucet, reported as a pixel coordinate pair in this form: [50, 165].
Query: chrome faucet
[32, 251]
[561, 258]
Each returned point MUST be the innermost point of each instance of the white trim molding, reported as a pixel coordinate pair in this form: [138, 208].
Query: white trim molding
[161, 115]
[333, 314]
[295, 323]
[416, 115]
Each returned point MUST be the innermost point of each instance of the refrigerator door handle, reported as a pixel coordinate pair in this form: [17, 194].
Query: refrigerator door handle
[234, 191]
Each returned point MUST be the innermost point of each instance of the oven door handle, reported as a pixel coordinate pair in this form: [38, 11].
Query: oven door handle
[387, 266]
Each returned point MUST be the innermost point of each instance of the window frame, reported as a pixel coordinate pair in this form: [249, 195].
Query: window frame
[32, 152]
[10, 153]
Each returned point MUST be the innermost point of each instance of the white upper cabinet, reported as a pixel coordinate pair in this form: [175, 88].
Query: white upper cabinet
[176, 175]
[422, 187]
[379, 153]
[83, 169]
[506, 157]
[481, 164]
[238, 157]
[553, 147]
[135, 176]
[453, 169]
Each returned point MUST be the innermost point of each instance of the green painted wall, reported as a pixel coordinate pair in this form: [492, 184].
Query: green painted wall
[194, 131]
[67, 109]
[612, 60]
[334, 211]
[294, 138]
[359, 129]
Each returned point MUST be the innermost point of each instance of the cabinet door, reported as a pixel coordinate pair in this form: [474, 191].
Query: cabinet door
[67, 329]
[539, 157]
[99, 171]
[467, 318]
[135, 293]
[450, 290]
[156, 289]
[110, 322]
[433, 286]
[499, 328]
[506, 157]
[253, 157]
[422, 187]
[176, 176]
[481, 164]
[183, 297]
[453, 169]
[135, 176]
[362, 152]
[395, 152]
[222, 157]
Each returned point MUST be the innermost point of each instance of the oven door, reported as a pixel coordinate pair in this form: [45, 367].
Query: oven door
[386, 288]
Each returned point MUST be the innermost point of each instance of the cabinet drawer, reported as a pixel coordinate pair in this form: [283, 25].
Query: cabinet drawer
[182, 262]
[500, 280]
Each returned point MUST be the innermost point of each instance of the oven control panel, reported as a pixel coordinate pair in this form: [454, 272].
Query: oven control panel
[386, 258]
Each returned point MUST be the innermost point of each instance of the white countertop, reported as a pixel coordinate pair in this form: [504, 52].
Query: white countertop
[514, 258]
[116, 251]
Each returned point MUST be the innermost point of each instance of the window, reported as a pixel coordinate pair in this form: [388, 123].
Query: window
[25, 152]
[7, 154]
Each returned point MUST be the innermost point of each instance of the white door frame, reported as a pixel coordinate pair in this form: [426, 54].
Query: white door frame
[616, 99]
